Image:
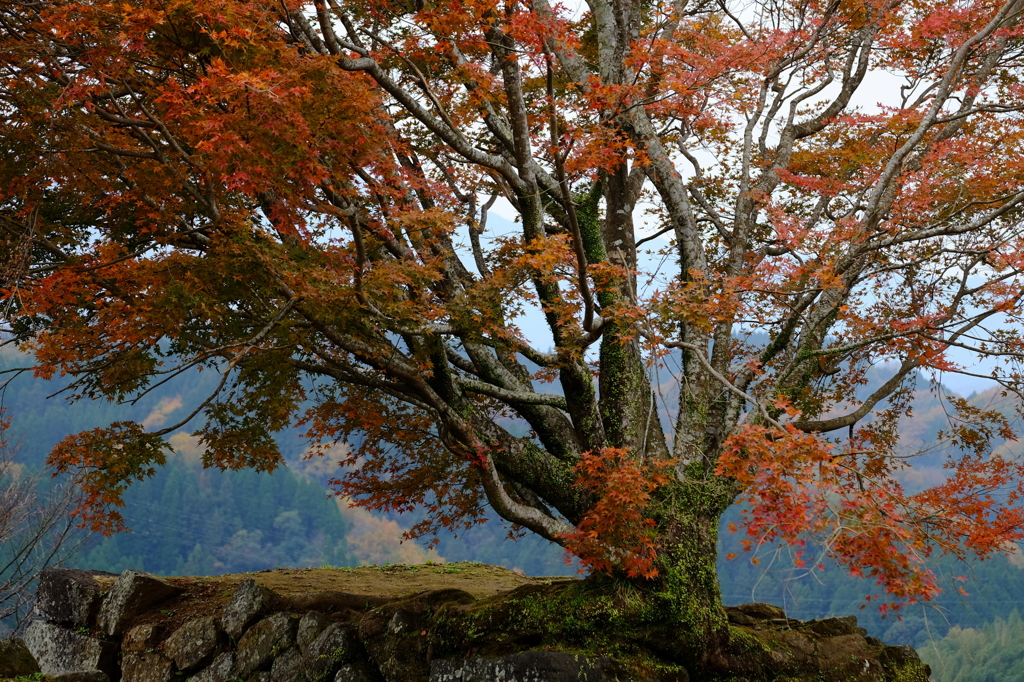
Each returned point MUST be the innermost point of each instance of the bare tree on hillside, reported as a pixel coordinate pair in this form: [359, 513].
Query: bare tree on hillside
[36, 531]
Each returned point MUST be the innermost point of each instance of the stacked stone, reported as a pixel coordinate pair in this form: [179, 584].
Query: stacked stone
[249, 642]
[76, 636]
[85, 635]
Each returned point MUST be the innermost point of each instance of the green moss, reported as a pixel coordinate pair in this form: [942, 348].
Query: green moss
[589, 217]
[626, 622]
[687, 515]
[911, 671]
[742, 641]
[594, 617]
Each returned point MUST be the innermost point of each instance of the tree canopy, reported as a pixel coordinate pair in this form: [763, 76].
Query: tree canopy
[726, 216]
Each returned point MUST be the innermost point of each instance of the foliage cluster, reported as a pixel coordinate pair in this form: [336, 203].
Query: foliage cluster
[616, 524]
[289, 195]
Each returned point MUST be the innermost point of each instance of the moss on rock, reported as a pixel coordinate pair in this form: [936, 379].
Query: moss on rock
[616, 620]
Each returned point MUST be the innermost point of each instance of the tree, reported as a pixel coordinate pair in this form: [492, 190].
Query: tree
[295, 195]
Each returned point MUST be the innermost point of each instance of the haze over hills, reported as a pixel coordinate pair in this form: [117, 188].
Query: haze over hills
[187, 520]
[210, 520]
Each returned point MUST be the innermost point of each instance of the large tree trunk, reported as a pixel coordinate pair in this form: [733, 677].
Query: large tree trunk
[687, 589]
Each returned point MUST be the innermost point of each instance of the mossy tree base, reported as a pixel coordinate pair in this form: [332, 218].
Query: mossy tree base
[616, 620]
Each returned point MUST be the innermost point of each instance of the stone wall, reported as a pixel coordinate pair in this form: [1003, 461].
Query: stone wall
[97, 627]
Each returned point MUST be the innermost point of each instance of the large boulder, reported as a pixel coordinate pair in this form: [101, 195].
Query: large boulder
[829, 649]
[263, 642]
[898, 660]
[250, 601]
[843, 657]
[337, 645]
[140, 638]
[16, 659]
[131, 594]
[59, 650]
[835, 627]
[147, 666]
[286, 666]
[68, 596]
[194, 644]
[310, 627]
[221, 670]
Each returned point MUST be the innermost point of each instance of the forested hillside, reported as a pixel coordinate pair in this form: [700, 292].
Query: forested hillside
[992, 653]
[190, 520]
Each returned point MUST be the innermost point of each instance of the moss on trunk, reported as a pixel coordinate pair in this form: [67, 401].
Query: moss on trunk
[687, 589]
